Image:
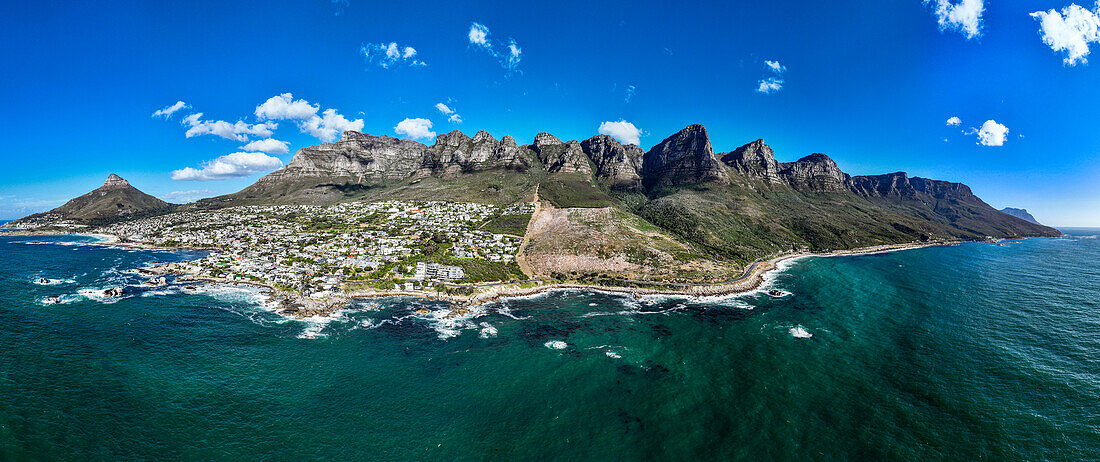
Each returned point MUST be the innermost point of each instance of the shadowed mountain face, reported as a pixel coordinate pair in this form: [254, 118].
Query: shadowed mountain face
[740, 205]
[116, 200]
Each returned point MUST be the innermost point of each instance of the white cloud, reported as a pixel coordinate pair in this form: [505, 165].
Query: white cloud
[623, 131]
[775, 67]
[415, 128]
[326, 128]
[478, 36]
[991, 133]
[954, 121]
[964, 16]
[233, 165]
[270, 146]
[389, 54]
[770, 85]
[1070, 31]
[629, 93]
[448, 111]
[237, 131]
[183, 197]
[169, 110]
[514, 53]
[282, 107]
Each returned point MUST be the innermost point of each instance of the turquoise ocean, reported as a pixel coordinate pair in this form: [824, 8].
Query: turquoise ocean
[975, 351]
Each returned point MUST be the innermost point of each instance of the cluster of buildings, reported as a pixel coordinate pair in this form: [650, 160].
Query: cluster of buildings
[314, 249]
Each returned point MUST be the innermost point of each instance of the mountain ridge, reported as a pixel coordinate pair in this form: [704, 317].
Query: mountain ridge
[607, 203]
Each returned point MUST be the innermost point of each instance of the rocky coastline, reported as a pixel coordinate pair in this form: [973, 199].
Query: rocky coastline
[294, 305]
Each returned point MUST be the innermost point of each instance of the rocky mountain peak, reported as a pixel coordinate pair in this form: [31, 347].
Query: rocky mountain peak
[686, 157]
[559, 156]
[546, 139]
[454, 138]
[114, 182]
[482, 136]
[615, 163]
[815, 172]
[754, 159]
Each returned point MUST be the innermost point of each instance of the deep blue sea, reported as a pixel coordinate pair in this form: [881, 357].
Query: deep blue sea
[976, 351]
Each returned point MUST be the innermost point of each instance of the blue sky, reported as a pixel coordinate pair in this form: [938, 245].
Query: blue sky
[872, 84]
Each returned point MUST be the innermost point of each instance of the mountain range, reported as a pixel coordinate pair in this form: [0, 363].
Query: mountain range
[608, 204]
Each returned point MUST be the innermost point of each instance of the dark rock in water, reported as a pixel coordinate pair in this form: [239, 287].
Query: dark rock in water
[113, 292]
[661, 330]
[191, 288]
[655, 371]
[775, 293]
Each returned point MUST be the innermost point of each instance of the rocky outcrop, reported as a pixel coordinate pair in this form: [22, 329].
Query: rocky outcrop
[560, 157]
[684, 158]
[900, 185]
[356, 155]
[455, 153]
[616, 165]
[755, 159]
[113, 182]
[815, 172]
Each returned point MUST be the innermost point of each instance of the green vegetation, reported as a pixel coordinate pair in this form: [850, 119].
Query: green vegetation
[573, 191]
[515, 225]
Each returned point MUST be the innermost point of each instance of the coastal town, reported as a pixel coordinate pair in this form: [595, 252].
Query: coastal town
[320, 252]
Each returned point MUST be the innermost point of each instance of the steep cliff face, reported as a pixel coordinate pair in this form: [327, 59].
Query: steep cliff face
[755, 159]
[886, 185]
[900, 185]
[559, 157]
[684, 158]
[815, 172]
[455, 153]
[616, 165]
[356, 155]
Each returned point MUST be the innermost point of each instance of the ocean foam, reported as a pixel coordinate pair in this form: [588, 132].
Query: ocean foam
[556, 345]
[53, 282]
[450, 326]
[800, 332]
[249, 295]
[97, 295]
[612, 354]
[487, 330]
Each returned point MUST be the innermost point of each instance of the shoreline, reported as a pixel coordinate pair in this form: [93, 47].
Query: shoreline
[295, 306]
